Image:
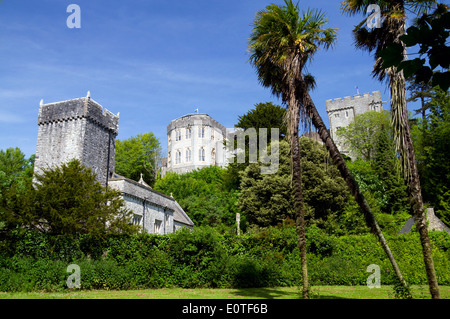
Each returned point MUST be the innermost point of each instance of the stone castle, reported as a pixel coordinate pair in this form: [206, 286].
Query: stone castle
[195, 141]
[78, 128]
[81, 129]
[341, 112]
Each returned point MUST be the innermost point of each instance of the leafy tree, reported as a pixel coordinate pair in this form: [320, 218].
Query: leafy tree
[138, 155]
[432, 145]
[202, 194]
[430, 32]
[267, 200]
[361, 136]
[387, 168]
[420, 91]
[264, 115]
[15, 178]
[376, 40]
[69, 200]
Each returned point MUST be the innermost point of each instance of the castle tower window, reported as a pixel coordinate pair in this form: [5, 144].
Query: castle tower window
[178, 157]
[336, 115]
[178, 135]
[188, 155]
[201, 154]
[136, 219]
[346, 114]
[188, 133]
[201, 132]
[157, 226]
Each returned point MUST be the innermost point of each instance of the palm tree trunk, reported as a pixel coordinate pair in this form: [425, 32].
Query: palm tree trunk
[405, 145]
[293, 117]
[299, 210]
[338, 160]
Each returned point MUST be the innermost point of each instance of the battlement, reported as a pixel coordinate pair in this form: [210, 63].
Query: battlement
[77, 109]
[195, 119]
[349, 102]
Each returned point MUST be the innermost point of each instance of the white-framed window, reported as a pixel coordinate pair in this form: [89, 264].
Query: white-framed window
[167, 222]
[201, 154]
[201, 132]
[188, 155]
[136, 219]
[188, 133]
[178, 157]
[157, 226]
[178, 135]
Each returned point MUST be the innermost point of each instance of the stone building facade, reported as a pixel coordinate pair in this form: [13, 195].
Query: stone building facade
[81, 129]
[341, 112]
[195, 141]
[155, 212]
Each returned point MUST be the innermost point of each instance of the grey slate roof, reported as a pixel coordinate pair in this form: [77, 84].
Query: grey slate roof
[143, 191]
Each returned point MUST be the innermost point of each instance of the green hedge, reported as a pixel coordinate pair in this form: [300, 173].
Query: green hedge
[205, 258]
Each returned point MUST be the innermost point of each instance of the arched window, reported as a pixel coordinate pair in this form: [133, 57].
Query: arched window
[201, 132]
[178, 157]
[188, 155]
[178, 135]
[201, 154]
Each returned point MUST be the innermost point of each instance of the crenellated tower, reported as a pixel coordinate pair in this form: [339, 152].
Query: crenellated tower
[341, 112]
[81, 129]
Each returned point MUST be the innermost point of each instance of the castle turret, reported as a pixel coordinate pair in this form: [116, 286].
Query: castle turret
[195, 141]
[77, 129]
[341, 112]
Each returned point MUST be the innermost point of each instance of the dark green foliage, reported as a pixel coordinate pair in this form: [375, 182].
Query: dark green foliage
[15, 180]
[432, 145]
[430, 33]
[203, 195]
[267, 199]
[31, 261]
[264, 115]
[386, 166]
[69, 200]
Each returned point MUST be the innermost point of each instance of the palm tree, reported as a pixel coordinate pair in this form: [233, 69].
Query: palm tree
[394, 15]
[281, 44]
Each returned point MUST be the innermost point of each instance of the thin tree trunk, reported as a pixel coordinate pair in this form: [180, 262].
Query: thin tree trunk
[299, 210]
[404, 142]
[338, 160]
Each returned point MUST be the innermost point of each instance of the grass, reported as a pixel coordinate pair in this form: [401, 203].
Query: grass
[317, 292]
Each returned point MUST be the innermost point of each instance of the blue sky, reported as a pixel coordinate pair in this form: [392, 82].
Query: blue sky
[152, 61]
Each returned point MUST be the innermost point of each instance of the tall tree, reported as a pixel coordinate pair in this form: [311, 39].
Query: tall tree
[376, 40]
[362, 134]
[138, 155]
[280, 45]
[264, 115]
[69, 200]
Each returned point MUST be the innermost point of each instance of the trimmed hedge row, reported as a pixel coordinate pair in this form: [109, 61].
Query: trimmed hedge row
[205, 258]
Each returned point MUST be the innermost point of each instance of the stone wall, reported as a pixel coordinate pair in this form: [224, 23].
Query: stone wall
[341, 112]
[77, 129]
[151, 206]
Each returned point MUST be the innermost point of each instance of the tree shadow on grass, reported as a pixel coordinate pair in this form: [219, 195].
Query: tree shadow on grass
[276, 293]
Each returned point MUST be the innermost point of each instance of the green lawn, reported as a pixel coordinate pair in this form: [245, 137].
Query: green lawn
[317, 292]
